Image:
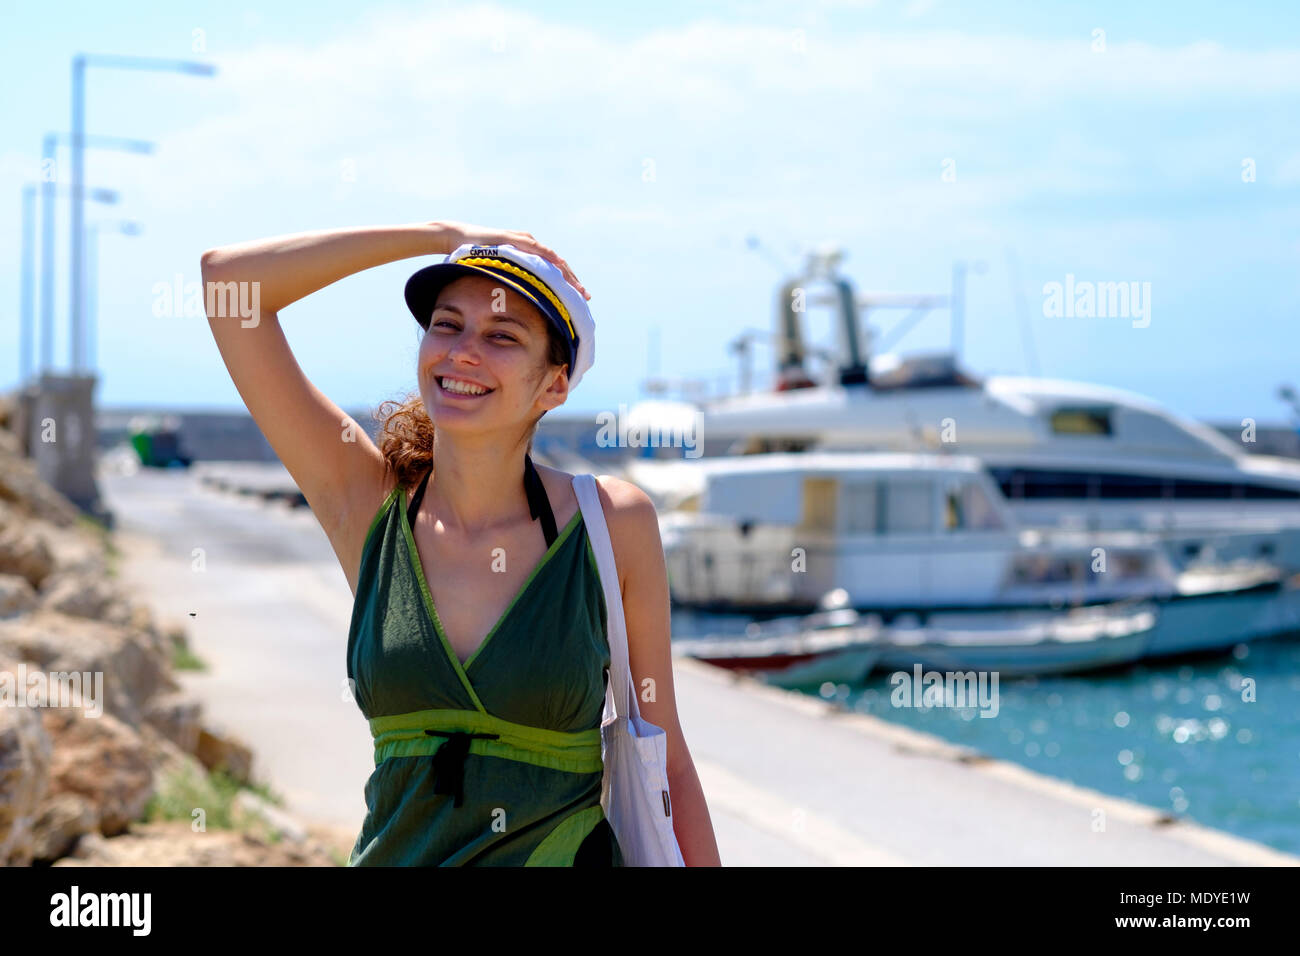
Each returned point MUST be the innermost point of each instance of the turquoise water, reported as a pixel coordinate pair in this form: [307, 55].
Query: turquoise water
[1176, 736]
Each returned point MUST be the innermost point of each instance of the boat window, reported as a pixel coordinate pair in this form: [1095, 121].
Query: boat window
[1019, 483]
[1128, 566]
[759, 445]
[859, 507]
[969, 508]
[1047, 569]
[908, 506]
[1081, 421]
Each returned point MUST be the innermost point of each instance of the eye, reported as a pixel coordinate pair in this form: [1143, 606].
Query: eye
[508, 338]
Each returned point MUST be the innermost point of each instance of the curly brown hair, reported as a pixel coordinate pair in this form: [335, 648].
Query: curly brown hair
[406, 432]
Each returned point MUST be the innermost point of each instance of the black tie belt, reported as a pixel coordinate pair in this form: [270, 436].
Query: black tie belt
[449, 762]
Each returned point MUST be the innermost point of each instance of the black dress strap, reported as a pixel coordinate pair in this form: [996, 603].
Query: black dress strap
[539, 505]
[413, 508]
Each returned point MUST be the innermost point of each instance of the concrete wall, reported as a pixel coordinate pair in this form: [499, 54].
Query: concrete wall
[234, 436]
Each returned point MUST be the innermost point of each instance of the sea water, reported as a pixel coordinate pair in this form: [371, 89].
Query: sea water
[1215, 739]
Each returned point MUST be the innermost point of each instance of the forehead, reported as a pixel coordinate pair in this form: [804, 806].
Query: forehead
[479, 293]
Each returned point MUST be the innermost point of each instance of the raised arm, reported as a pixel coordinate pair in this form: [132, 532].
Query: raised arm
[330, 457]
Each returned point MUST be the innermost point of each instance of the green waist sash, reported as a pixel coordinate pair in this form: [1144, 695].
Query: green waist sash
[426, 732]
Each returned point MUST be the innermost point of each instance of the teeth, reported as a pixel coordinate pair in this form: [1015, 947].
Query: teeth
[452, 385]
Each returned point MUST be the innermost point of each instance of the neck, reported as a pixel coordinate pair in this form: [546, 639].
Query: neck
[478, 483]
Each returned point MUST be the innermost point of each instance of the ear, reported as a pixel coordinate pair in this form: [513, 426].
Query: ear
[557, 391]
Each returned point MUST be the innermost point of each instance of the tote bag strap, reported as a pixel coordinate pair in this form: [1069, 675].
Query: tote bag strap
[620, 674]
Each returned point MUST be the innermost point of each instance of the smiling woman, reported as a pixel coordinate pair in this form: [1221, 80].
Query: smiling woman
[478, 649]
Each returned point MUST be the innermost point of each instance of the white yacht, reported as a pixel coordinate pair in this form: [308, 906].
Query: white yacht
[1064, 454]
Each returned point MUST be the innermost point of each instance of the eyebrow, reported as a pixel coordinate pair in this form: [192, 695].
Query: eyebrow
[498, 316]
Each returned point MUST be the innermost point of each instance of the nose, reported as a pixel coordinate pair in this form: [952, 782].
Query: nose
[463, 348]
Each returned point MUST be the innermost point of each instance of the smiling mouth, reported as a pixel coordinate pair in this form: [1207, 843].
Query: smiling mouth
[460, 388]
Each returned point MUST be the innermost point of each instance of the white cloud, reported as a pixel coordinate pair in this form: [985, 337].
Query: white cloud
[481, 101]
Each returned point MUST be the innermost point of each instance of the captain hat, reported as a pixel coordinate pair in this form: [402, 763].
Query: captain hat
[536, 278]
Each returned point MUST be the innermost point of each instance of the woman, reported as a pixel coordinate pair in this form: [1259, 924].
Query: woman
[477, 642]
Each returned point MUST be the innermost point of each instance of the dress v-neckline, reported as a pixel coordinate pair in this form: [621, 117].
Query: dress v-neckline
[462, 667]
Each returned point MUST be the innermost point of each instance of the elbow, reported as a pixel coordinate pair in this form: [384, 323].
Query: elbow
[210, 262]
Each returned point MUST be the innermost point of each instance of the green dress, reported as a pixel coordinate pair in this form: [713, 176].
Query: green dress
[496, 762]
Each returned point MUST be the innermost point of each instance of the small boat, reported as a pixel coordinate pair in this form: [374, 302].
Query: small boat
[1219, 607]
[1023, 643]
[838, 646]
[843, 647]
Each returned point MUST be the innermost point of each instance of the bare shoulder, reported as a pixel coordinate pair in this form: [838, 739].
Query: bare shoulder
[633, 524]
[624, 500]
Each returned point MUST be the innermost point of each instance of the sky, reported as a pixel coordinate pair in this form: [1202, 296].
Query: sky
[685, 158]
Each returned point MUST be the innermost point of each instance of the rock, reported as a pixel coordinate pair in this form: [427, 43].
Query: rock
[102, 759]
[176, 716]
[24, 551]
[170, 762]
[131, 671]
[78, 594]
[76, 549]
[62, 821]
[16, 595]
[216, 751]
[91, 846]
[22, 486]
[25, 753]
[173, 843]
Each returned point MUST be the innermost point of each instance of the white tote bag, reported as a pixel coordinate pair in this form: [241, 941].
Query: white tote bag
[634, 791]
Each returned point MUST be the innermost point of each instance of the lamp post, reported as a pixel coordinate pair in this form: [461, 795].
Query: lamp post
[27, 345]
[125, 227]
[49, 177]
[79, 64]
[27, 319]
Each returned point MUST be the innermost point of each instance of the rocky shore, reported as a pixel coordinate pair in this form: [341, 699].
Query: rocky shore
[105, 759]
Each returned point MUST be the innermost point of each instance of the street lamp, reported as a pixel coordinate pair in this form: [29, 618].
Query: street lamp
[79, 64]
[125, 227]
[27, 333]
[49, 143]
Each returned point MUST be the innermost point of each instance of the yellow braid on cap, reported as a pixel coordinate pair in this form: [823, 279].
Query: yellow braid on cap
[528, 277]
